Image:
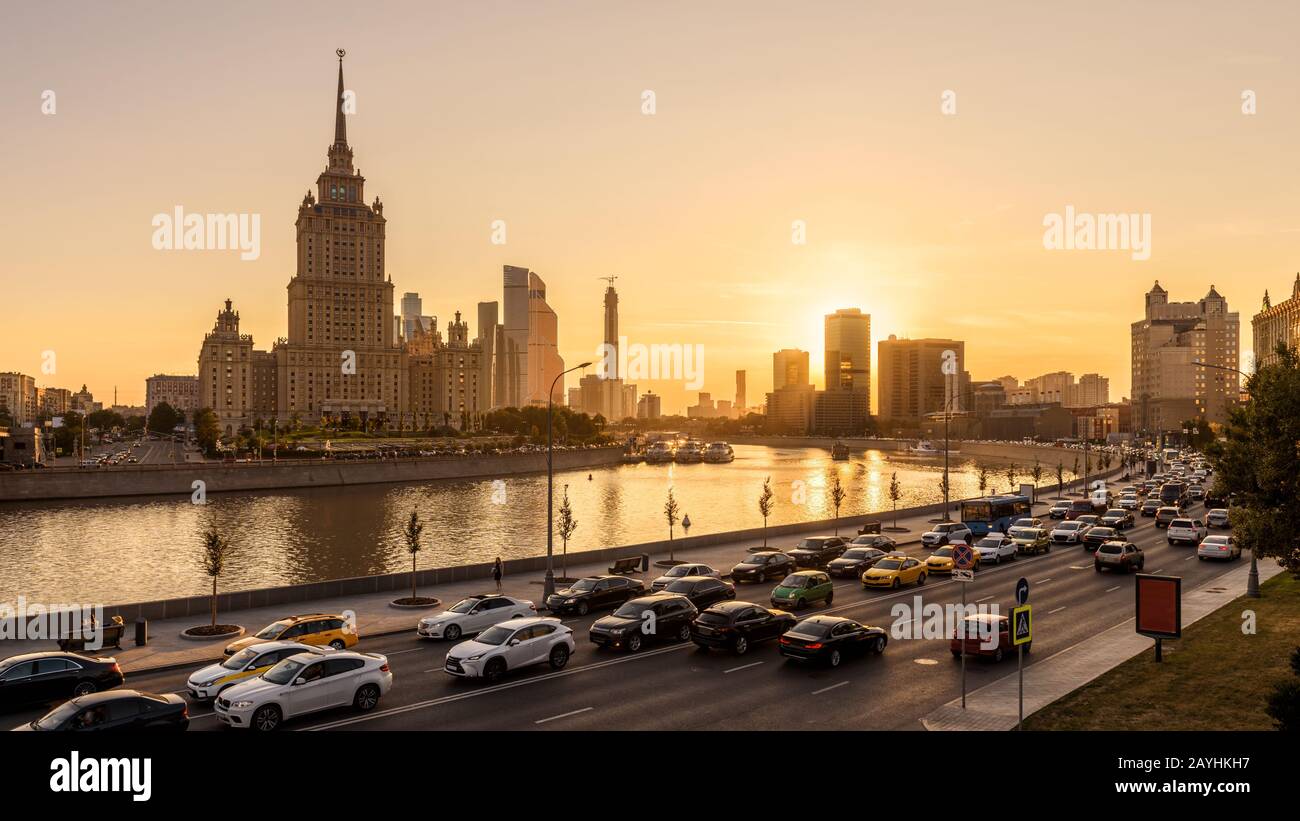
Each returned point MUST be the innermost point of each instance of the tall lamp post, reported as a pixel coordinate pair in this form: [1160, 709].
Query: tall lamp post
[1252, 581]
[548, 587]
[947, 412]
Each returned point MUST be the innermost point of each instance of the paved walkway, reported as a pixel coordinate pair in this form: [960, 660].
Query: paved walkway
[994, 706]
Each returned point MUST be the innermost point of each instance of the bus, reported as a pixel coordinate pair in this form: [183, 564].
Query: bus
[993, 513]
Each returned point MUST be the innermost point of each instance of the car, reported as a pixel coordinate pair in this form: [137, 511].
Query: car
[1129, 502]
[1217, 517]
[1185, 531]
[315, 628]
[1098, 536]
[876, 540]
[37, 678]
[946, 533]
[995, 547]
[1196, 493]
[895, 570]
[510, 646]
[207, 682]
[1117, 518]
[799, 589]
[1069, 532]
[855, 561]
[702, 591]
[817, 551]
[1030, 540]
[1059, 509]
[1218, 547]
[130, 710]
[984, 634]
[1026, 522]
[1079, 507]
[1167, 514]
[679, 570]
[659, 616]
[473, 614]
[941, 560]
[1089, 519]
[594, 592]
[738, 625]
[305, 683]
[759, 567]
[1118, 554]
[1149, 507]
[830, 639]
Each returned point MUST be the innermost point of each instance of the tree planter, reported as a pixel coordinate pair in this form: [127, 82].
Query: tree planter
[668, 563]
[207, 632]
[417, 603]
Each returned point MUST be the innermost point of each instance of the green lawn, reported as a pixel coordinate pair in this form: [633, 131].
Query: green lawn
[1213, 678]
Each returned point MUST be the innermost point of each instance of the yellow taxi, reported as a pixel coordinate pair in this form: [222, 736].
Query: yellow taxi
[895, 570]
[208, 681]
[941, 561]
[320, 629]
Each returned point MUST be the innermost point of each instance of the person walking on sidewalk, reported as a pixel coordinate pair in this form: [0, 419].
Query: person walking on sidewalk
[496, 573]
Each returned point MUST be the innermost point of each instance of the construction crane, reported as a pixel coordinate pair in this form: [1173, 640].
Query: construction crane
[610, 280]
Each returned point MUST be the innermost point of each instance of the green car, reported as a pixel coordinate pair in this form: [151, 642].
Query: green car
[798, 589]
[1030, 539]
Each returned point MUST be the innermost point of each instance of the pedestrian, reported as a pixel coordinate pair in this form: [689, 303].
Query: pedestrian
[496, 573]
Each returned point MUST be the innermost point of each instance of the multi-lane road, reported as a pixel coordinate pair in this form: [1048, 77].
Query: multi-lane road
[676, 686]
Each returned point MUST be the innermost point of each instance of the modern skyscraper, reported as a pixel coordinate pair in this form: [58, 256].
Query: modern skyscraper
[919, 377]
[515, 325]
[487, 337]
[740, 391]
[611, 326]
[413, 317]
[789, 368]
[848, 350]
[1168, 386]
[1274, 324]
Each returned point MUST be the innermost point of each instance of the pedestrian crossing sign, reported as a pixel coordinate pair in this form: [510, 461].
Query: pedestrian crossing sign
[1022, 625]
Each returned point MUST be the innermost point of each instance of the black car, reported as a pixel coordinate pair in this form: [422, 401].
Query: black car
[762, 566]
[830, 639]
[594, 592]
[1098, 536]
[36, 678]
[118, 710]
[660, 616]
[855, 561]
[703, 591]
[1149, 507]
[817, 551]
[736, 625]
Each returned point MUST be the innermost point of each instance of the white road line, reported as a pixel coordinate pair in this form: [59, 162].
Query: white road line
[1161, 570]
[744, 666]
[832, 687]
[1112, 589]
[562, 715]
[1057, 610]
[1041, 581]
[400, 652]
[986, 598]
[1189, 558]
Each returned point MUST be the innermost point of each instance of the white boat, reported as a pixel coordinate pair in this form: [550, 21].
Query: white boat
[689, 453]
[659, 453]
[926, 448]
[718, 453]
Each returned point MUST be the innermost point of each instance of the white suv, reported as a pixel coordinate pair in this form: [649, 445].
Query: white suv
[1191, 531]
[946, 533]
[509, 646]
[1070, 532]
[305, 683]
[473, 615]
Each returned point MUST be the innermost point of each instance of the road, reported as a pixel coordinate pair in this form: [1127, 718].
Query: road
[677, 686]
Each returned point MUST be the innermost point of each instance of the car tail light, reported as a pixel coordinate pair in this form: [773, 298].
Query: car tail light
[116, 668]
[532, 607]
[816, 645]
[383, 668]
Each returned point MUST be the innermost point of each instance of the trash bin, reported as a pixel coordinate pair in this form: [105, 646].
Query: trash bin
[141, 631]
[645, 562]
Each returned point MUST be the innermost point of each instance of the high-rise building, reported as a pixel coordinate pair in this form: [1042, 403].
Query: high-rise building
[18, 397]
[789, 367]
[487, 337]
[611, 327]
[83, 402]
[740, 392]
[1169, 386]
[234, 381]
[649, 406]
[444, 381]
[413, 317]
[54, 401]
[848, 350]
[1093, 390]
[181, 392]
[1274, 324]
[917, 377]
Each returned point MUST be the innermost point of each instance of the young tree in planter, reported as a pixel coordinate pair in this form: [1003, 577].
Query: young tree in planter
[670, 513]
[982, 475]
[414, 527]
[895, 493]
[1074, 471]
[765, 505]
[214, 562]
[565, 527]
[837, 498]
[1012, 473]
[1060, 478]
[943, 494]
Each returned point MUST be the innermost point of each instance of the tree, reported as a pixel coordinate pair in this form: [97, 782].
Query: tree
[1074, 471]
[163, 418]
[837, 498]
[1060, 478]
[1258, 461]
[1012, 473]
[670, 513]
[1199, 433]
[414, 527]
[565, 526]
[214, 562]
[1037, 472]
[207, 430]
[765, 505]
[982, 476]
[943, 494]
[1284, 704]
[895, 493]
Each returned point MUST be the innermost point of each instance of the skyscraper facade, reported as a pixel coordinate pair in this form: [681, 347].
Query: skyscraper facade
[919, 377]
[848, 350]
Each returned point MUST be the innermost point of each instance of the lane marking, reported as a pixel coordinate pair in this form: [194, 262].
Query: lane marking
[1189, 558]
[1112, 589]
[1057, 610]
[832, 687]
[563, 715]
[986, 598]
[1161, 570]
[400, 652]
[1043, 581]
[744, 666]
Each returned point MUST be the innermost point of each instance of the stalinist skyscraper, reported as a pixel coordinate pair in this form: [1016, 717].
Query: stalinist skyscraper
[342, 358]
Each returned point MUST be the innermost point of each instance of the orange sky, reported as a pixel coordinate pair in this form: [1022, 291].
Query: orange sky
[766, 113]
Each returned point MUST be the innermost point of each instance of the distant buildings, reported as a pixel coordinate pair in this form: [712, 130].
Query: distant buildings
[1060, 388]
[18, 396]
[413, 316]
[649, 406]
[1169, 386]
[919, 377]
[531, 341]
[604, 393]
[844, 407]
[1274, 324]
[54, 401]
[180, 392]
[789, 367]
[790, 404]
[740, 392]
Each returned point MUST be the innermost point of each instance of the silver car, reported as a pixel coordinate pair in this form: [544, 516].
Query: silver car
[1218, 547]
[681, 571]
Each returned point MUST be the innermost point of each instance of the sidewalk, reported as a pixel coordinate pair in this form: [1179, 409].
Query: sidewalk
[994, 706]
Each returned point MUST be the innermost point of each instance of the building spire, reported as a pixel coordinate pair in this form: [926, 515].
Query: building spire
[340, 119]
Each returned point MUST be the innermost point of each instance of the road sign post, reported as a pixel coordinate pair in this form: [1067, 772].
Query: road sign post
[1022, 632]
[963, 559]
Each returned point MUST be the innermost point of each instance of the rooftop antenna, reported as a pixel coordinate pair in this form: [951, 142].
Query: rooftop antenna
[610, 280]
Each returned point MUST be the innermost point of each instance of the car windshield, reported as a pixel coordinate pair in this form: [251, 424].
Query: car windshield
[583, 585]
[496, 635]
[991, 541]
[1102, 532]
[272, 630]
[1116, 513]
[945, 528]
[756, 559]
[680, 586]
[1069, 526]
[284, 672]
[632, 610]
[57, 716]
[943, 552]
[713, 617]
[889, 564]
[239, 660]
[794, 581]
[812, 544]
[1180, 523]
[857, 553]
[678, 571]
[463, 606]
[1023, 533]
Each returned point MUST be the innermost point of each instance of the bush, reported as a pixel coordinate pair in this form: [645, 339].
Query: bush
[1284, 704]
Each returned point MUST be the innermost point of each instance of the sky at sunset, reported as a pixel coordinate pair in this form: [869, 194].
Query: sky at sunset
[765, 113]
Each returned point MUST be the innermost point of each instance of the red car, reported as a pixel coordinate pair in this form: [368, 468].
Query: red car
[1079, 507]
[984, 624]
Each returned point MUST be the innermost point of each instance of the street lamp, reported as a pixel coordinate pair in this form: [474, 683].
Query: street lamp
[946, 414]
[548, 587]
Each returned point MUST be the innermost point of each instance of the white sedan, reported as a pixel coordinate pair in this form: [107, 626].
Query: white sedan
[681, 571]
[1070, 532]
[510, 646]
[1218, 547]
[1217, 517]
[305, 683]
[473, 615]
[995, 547]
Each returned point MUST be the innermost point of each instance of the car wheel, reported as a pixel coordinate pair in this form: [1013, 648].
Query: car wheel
[830, 597]
[266, 718]
[956, 654]
[1096, 566]
[878, 646]
[559, 656]
[583, 608]
[496, 668]
[367, 698]
[897, 583]
[834, 659]
[451, 632]
[84, 688]
[684, 634]
[338, 644]
[997, 655]
[634, 642]
[740, 645]
[920, 580]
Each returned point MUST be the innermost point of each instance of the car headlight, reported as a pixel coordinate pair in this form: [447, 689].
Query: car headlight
[618, 631]
[209, 682]
[476, 658]
[240, 705]
[570, 601]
